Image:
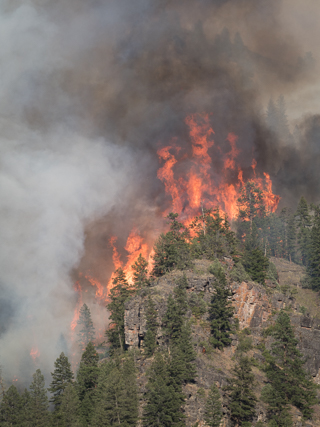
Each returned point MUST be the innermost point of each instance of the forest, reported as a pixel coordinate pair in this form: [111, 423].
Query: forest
[104, 391]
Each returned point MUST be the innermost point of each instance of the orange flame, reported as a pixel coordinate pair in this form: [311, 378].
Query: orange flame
[135, 247]
[34, 353]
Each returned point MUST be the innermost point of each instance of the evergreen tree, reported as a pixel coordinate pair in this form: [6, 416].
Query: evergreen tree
[174, 316]
[117, 402]
[164, 399]
[272, 117]
[87, 379]
[86, 329]
[256, 265]
[214, 239]
[303, 225]
[140, 275]
[313, 267]
[119, 294]
[283, 128]
[172, 249]
[38, 401]
[183, 355]
[284, 370]
[213, 409]
[11, 408]
[278, 407]
[61, 377]
[242, 400]
[150, 338]
[220, 315]
[291, 239]
[69, 407]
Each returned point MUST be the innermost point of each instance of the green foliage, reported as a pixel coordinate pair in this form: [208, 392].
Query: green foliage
[38, 401]
[150, 339]
[11, 409]
[119, 294]
[313, 264]
[220, 316]
[303, 221]
[217, 270]
[197, 305]
[239, 274]
[86, 329]
[140, 275]
[284, 369]
[245, 341]
[213, 409]
[256, 265]
[214, 239]
[61, 377]
[87, 379]
[176, 309]
[272, 273]
[117, 394]
[69, 408]
[172, 249]
[278, 408]
[164, 398]
[242, 400]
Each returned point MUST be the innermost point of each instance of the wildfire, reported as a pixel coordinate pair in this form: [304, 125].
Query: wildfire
[207, 175]
[34, 353]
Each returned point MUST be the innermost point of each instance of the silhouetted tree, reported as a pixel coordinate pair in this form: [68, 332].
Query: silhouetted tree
[85, 325]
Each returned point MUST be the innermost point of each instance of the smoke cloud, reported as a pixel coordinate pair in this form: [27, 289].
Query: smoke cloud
[90, 91]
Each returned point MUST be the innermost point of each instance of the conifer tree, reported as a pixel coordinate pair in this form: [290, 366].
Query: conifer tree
[164, 399]
[291, 239]
[172, 249]
[61, 377]
[150, 338]
[256, 265]
[11, 408]
[242, 400]
[213, 409]
[119, 294]
[284, 370]
[313, 267]
[70, 407]
[38, 401]
[87, 379]
[221, 313]
[303, 225]
[86, 329]
[117, 395]
[140, 275]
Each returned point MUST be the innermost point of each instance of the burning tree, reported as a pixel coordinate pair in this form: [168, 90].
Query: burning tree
[87, 331]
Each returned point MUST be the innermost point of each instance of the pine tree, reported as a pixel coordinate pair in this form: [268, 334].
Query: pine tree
[183, 355]
[140, 275]
[38, 401]
[272, 117]
[61, 377]
[256, 265]
[86, 329]
[242, 400]
[119, 294]
[313, 267]
[164, 400]
[117, 395]
[87, 379]
[220, 315]
[213, 409]
[172, 249]
[11, 408]
[285, 371]
[291, 239]
[69, 407]
[303, 225]
[150, 338]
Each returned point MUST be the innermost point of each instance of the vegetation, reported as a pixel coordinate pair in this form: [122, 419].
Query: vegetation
[106, 393]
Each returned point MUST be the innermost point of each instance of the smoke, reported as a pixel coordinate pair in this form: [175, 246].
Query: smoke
[89, 92]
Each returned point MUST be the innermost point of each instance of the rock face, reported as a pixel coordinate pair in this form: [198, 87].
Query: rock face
[255, 307]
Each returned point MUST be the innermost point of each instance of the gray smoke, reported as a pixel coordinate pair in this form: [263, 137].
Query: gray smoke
[89, 91]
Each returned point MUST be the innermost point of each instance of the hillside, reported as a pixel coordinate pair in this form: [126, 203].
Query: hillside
[256, 308]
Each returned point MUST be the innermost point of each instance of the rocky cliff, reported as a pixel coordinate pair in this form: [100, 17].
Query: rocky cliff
[255, 308]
